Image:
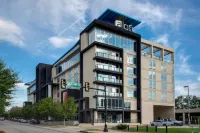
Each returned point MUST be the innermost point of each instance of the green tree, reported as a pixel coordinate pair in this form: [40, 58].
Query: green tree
[8, 79]
[69, 108]
[27, 111]
[45, 108]
[16, 112]
[181, 102]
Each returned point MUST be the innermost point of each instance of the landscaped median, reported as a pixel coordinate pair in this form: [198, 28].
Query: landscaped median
[145, 128]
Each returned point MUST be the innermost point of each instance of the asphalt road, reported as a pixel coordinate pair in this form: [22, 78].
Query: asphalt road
[16, 127]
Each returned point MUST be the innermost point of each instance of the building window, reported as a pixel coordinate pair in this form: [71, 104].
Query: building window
[69, 76]
[173, 86]
[130, 70]
[164, 97]
[67, 64]
[152, 64]
[164, 85]
[163, 67]
[172, 69]
[154, 75]
[163, 76]
[150, 75]
[154, 84]
[131, 93]
[150, 84]
[152, 95]
[130, 81]
[110, 38]
[76, 78]
[131, 59]
[172, 97]
[127, 105]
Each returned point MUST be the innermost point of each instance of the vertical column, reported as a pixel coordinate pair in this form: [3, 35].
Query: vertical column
[162, 54]
[183, 117]
[172, 57]
[49, 90]
[151, 51]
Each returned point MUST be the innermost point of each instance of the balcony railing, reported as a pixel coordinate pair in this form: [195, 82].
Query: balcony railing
[107, 67]
[111, 80]
[146, 54]
[105, 55]
[112, 94]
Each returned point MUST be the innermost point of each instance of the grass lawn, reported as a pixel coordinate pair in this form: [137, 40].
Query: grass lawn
[163, 130]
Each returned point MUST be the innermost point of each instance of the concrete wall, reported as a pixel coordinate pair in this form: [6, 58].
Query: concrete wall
[89, 75]
[149, 113]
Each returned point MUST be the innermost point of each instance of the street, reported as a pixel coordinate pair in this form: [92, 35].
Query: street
[16, 127]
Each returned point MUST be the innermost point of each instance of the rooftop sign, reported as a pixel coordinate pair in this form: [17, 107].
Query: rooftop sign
[118, 19]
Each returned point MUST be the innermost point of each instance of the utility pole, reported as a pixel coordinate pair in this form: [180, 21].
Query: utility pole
[188, 105]
[105, 126]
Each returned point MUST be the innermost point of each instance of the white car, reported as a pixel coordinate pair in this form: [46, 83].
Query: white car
[156, 123]
[1, 118]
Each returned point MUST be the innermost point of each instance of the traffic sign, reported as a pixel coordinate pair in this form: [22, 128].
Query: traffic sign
[73, 85]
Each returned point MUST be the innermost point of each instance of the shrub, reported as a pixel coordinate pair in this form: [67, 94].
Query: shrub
[122, 126]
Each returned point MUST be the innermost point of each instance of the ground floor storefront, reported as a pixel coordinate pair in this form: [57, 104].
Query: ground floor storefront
[98, 116]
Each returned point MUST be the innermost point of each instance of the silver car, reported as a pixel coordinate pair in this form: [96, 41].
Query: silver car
[167, 122]
[156, 123]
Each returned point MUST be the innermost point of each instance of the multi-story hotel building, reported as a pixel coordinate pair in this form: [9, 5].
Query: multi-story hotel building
[138, 74]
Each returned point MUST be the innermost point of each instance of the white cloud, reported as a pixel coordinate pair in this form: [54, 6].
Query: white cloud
[61, 42]
[194, 87]
[163, 39]
[10, 32]
[21, 86]
[198, 78]
[183, 67]
[151, 14]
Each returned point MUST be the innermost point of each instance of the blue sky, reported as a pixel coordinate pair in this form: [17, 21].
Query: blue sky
[42, 30]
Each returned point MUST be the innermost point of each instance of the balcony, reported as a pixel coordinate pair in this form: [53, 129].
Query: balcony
[108, 81]
[108, 68]
[109, 57]
[111, 94]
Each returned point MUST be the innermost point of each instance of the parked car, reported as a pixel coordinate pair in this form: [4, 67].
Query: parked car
[156, 123]
[1, 118]
[167, 122]
[175, 122]
[34, 121]
[23, 121]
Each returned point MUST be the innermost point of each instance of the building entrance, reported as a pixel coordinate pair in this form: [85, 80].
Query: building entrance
[112, 117]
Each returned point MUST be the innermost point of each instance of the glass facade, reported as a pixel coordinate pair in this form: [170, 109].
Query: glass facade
[152, 84]
[111, 38]
[112, 103]
[32, 89]
[67, 64]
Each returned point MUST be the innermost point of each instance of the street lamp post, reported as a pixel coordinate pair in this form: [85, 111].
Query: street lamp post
[105, 126]
[188, 105]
